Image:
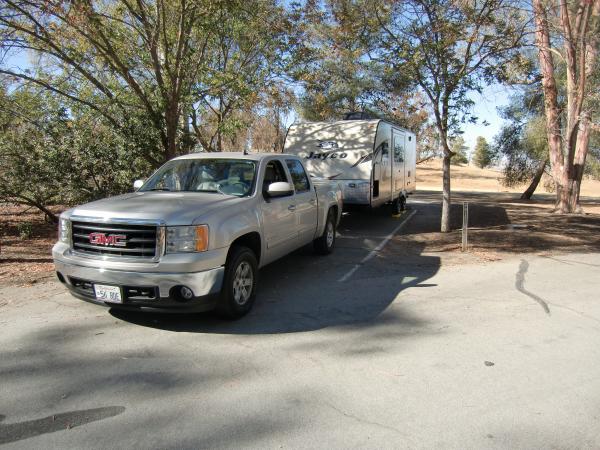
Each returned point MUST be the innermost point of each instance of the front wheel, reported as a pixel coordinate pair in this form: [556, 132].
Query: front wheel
[239, 285]
[324, 244]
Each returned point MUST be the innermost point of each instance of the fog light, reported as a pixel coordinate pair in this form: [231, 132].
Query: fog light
[186, 293]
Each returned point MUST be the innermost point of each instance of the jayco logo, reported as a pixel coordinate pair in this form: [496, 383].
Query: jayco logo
[328, 155]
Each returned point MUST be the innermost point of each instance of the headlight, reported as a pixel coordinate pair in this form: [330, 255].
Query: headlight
[187, 239]
[64, 230]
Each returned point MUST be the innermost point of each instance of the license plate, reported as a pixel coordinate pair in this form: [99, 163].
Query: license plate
[109, 294]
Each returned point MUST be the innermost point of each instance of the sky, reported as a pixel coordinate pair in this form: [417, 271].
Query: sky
[486, 109]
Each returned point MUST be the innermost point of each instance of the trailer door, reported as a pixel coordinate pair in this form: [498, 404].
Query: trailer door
[398, 143]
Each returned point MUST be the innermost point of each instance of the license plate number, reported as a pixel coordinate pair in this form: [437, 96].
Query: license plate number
[109, 294]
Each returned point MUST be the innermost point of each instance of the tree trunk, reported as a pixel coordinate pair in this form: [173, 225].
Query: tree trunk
[534, 183]
[581, 150]
[551, 109]
[446, 199]
[583, 137]
[172, 127]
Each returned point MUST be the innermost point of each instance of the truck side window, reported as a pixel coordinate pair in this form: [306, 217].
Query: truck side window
[274, 173]
[299, 176]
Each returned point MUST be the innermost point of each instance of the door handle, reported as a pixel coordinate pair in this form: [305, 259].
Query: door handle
[312, 201]
[292, 207]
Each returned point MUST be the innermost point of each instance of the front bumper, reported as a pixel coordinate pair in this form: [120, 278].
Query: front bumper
[144, 290]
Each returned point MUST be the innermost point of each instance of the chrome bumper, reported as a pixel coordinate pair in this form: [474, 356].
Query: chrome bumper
[201, 283]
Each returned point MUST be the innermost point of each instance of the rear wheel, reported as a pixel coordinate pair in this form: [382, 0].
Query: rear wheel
[399, 205]
[239, 285]
[325, 243]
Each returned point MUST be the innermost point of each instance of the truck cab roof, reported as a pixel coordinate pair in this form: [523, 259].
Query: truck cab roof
[234, 155]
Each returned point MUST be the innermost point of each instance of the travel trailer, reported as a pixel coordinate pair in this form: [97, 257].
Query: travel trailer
[374, 160]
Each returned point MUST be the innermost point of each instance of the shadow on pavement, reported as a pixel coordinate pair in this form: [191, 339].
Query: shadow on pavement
[303, 292]
[13, 432]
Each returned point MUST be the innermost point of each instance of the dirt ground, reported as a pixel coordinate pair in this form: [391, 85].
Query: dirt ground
[26, 240]
[499, 224]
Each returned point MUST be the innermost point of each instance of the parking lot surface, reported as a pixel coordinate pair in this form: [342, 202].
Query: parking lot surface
[367, 348]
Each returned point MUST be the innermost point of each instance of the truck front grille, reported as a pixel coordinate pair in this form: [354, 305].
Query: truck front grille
[114, 239]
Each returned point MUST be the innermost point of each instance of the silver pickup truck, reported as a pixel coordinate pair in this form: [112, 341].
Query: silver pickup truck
[193, 236]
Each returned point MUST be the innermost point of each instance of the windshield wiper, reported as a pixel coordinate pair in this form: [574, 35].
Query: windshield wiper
[212, 190]
[160, 189]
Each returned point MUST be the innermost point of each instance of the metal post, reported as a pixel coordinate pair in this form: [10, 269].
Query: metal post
[465, 226]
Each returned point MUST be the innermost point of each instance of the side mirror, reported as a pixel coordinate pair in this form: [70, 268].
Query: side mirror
[137, 184]
[280, 189]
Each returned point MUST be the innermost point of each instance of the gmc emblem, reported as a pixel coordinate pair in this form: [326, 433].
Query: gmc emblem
[114, 240]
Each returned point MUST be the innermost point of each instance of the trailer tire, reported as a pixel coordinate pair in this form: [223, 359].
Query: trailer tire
[239, 283]
[399, 205]
[324, 244]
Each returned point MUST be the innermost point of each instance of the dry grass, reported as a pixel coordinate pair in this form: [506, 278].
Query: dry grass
[472, 179]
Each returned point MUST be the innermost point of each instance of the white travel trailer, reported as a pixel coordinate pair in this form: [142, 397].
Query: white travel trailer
[374, 160]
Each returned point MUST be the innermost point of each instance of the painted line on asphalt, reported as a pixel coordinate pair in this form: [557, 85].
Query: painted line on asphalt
[377, 249]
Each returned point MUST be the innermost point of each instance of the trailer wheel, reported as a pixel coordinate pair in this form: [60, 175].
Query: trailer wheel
[324, 244]
[399, 205]
[239, 284]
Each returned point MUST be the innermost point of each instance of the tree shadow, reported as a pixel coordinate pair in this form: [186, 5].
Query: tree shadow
[303, 292]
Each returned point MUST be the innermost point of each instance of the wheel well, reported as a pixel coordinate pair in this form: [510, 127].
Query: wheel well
[335, 212]
[250, 240]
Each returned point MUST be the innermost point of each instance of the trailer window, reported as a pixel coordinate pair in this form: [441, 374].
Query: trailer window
[298, 174]
[383, 148]
[398, 152]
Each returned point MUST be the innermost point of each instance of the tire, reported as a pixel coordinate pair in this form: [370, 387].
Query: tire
[398, 205]
[239, 284]
[324, 244]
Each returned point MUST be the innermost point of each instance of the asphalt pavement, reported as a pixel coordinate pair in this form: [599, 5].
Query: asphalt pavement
[365, 348]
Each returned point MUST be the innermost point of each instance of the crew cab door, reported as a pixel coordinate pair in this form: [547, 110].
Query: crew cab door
[306, 202]
[278, 214]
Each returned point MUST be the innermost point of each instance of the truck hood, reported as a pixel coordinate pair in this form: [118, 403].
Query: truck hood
[173, 208]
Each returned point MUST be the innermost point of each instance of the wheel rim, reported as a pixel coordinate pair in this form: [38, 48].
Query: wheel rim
[330, 234]
[243, 281]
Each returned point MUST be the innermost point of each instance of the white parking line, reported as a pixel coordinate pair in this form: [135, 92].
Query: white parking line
[376, 249]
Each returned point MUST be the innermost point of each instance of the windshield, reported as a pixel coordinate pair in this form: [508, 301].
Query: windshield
[225, 176]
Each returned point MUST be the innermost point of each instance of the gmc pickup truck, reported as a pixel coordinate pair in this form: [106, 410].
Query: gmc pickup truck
[193, 236]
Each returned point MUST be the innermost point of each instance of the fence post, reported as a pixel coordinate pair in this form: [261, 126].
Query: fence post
[465, 227]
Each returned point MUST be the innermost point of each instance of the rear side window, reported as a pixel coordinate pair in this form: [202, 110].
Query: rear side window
[299, 177]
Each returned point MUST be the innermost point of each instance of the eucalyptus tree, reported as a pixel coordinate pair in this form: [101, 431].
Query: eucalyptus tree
[567, 35]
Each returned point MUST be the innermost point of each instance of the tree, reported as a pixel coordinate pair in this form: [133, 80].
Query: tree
[331, 63]
[449, 48]
[459, 151]
[156, 58]
[574, 26]
[482, 153]
[52, 153]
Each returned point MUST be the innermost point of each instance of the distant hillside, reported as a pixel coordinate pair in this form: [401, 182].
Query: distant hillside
[471, 178]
